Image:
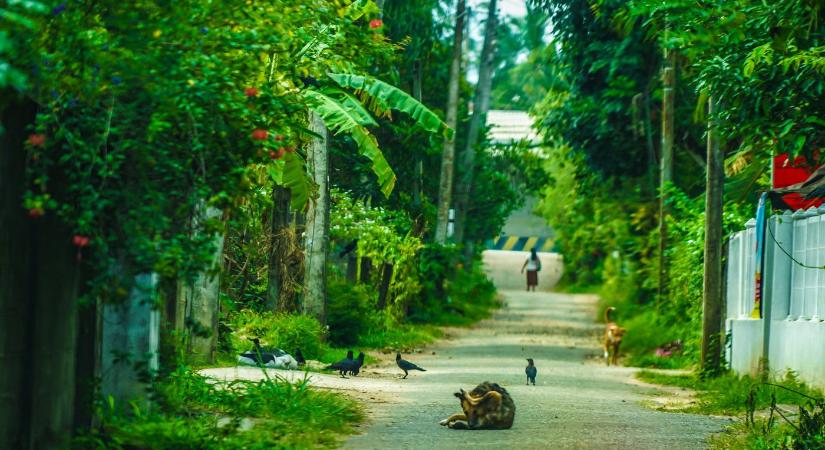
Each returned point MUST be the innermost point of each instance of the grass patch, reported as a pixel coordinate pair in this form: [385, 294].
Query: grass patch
[762, 428]
[728, 394]
[401, 336]
[190, 411]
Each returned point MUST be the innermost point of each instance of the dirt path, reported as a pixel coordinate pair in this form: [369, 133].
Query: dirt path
[577, 402]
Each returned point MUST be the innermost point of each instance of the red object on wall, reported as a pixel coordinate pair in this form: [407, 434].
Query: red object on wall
[786, 173]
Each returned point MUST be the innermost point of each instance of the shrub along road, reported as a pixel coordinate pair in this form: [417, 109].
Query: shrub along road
[577, 401]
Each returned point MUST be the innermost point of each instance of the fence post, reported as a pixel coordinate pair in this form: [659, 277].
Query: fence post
[797, 300]
[812, 222]
[778, 265]
[819, 313]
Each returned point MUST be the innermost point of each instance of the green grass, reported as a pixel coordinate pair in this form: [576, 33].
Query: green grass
[401, 336]
[728, 394]
[192, 412]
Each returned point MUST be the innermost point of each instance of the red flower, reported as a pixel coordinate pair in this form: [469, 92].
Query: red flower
[260, 135]
[277, 155]
[376, 23]
[251, 92]
[34, 213]
[80, 240]
[290, 149]
[37, 140]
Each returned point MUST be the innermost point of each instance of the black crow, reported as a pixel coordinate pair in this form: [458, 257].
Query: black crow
[343, 366]
[531, 372]
[356, 365]
[406, 365]
[300, 357]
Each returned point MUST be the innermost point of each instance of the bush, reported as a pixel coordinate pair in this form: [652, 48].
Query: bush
[193, 412]
[349, 311]
[284, 331]
[468, 297]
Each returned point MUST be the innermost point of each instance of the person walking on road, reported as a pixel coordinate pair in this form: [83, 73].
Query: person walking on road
[533, 265]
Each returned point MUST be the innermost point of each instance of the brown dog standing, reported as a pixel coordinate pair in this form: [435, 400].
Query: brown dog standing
[612, 338]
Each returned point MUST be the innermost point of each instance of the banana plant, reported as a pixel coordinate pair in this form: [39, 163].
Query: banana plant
[344, 113]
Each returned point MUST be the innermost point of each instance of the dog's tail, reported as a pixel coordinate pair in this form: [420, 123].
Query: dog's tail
[607, 313]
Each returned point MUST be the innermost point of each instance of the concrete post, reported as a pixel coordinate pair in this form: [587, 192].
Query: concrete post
[130, 341]
[800, 243]
[778, 265]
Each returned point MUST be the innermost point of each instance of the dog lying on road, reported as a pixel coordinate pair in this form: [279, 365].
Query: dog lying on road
[487, 407]
[612, 338]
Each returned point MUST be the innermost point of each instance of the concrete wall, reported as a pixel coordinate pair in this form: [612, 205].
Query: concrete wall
[503, 267]
[795, 345]
[794, 296]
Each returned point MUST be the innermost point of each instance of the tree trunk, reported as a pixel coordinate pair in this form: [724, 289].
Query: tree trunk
[384, 289]
[365, 268]
[712, 317]
[317, 227]
[418, 170]
[445, 186]
[280, 293]
[481, 103]
[666, 167]
[651, 151]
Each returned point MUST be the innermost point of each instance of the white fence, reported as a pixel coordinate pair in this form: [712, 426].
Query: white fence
[794, 287]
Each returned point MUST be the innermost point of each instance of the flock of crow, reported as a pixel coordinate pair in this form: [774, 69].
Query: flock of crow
[349, 366]
[277, 358]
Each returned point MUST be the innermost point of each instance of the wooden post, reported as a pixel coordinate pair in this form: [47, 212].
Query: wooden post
[445, 186]
[666, 166]
[317, 227]
[712, 289]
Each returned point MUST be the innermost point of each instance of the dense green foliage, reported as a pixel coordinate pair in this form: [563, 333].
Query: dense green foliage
[602, 120]
[152, 116]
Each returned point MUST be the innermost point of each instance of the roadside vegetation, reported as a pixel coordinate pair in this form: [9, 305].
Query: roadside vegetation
[781, 414]
[272, 169]
[192, 412]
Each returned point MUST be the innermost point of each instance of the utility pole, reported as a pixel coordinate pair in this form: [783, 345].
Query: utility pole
[481, 104]
[666, 167]
[317, 226]
[712, 290]
[445, 187]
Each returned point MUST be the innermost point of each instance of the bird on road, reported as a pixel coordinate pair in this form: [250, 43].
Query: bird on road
[531, 372]
[343, 366]
[356, 365]
[406, 365]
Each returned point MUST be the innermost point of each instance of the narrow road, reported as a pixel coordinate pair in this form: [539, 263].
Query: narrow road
[578, 403]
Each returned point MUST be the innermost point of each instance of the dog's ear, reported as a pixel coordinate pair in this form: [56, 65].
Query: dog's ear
[460, 394]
